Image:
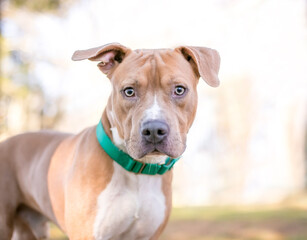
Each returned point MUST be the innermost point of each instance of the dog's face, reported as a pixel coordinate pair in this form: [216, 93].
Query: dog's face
[154, 97]
[153, 102]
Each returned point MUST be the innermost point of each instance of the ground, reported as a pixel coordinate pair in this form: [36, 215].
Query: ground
[237, 224]
[274, 222]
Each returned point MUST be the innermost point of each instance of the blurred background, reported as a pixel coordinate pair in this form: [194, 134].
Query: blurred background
[243, 175]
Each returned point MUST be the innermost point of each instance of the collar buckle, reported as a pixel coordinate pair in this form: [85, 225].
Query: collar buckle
[141, 169]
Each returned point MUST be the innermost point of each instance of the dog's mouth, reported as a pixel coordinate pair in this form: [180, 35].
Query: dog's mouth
[163, 149]
[156, 152]
[153, 156]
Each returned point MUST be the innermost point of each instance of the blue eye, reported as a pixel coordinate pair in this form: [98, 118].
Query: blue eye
[129, 92]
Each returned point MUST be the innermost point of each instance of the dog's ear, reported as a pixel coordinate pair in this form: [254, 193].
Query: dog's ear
[205, 62]
[109, 56]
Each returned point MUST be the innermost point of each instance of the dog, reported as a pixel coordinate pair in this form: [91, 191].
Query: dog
[112, 180]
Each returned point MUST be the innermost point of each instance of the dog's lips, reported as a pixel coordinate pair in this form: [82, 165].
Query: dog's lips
[154, 149]
[166, 148]
[156, 152]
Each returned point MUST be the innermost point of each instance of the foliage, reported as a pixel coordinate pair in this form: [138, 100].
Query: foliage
[21, 95]
[38, 5]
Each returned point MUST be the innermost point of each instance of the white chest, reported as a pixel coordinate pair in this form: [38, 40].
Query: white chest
[131, 207]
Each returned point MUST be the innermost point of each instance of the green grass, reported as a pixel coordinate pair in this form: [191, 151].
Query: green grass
[237, 213]
[56, 233]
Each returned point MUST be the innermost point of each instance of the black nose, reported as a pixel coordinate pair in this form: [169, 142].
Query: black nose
[154, 131]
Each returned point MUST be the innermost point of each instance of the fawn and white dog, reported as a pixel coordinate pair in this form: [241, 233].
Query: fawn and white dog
[112, 180]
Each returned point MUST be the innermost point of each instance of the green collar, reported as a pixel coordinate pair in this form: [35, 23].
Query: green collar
[126, 161]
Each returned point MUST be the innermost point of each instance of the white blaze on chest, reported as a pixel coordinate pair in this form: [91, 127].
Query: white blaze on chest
[131, 206]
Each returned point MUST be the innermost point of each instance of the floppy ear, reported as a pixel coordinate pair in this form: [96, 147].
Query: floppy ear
[205, 61]
[109, 56]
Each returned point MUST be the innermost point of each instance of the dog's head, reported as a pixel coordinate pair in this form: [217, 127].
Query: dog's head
[154, 97]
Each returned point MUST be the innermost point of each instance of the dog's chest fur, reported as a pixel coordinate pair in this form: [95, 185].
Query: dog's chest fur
[131, 207]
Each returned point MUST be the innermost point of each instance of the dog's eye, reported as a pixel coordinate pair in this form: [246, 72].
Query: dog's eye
[129, 92]
[179, 90]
